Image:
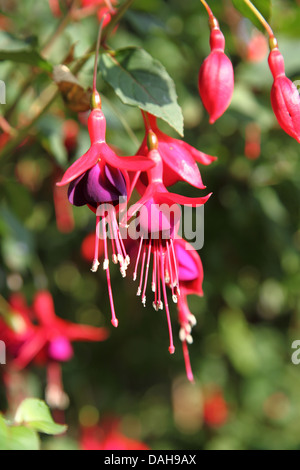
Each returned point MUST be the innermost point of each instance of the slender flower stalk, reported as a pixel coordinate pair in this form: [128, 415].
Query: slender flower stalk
[260, 18]
[208, 9]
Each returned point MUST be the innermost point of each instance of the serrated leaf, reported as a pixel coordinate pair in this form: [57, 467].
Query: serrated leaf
[36, 415]
[139, 80]
[264, 7]
[20, 51]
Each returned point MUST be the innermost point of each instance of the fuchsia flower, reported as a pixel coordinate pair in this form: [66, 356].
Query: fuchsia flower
[190, 277]
[216, 76]
[285, 98]
[105, 8]
[100, 177]
[48, 340]
[179, 158]
[158, 222]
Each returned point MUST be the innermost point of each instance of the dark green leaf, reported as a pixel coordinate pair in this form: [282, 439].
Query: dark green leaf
[264, 7]
[20, 51]
[139, 80]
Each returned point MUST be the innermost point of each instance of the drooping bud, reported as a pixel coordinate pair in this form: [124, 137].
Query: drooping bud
[285, 98]
[216, 76]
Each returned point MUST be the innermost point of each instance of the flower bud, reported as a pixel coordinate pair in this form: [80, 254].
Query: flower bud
[216, 78]
[284, 97]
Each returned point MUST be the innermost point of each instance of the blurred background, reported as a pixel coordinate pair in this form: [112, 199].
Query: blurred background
[246, 391]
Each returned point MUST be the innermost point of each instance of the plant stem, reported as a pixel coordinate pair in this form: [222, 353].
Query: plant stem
[260, 18]
[48, 44]
[60, 28]
[97, 54]
[22, 134]
[208, 9]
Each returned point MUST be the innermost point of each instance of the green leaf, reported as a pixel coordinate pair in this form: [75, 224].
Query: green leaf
[238, 341]
[17, 437]
[51, 137]
[264, 7]
[35, 414]
[22, 438]
[139, 80]
[21, 51]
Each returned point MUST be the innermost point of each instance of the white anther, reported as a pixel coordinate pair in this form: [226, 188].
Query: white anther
[95, 266]
[192, 319]
[105, 264]
[182, 334]
[189, 339]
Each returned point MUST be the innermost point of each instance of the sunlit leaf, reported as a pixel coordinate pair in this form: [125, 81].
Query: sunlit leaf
[139, 80]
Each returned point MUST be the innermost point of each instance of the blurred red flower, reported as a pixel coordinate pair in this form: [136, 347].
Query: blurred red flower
[108, 437]
[215, 410]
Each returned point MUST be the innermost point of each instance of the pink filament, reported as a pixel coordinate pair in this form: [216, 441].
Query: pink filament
[147, 273]
[142, 271]
[114, 319]
[96, 255]
[171, 347]
[138, 259]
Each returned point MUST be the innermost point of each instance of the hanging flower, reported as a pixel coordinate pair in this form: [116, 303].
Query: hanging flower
[216, 76]
[285, 98]
[104, 9]
[48, 340]
[179, 158]
[158, 222]
[99, 179]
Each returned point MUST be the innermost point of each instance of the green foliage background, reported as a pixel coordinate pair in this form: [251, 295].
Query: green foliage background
[250, 312]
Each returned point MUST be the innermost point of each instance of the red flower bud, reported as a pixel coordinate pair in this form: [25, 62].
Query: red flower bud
[284, 97]
[216, 78]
